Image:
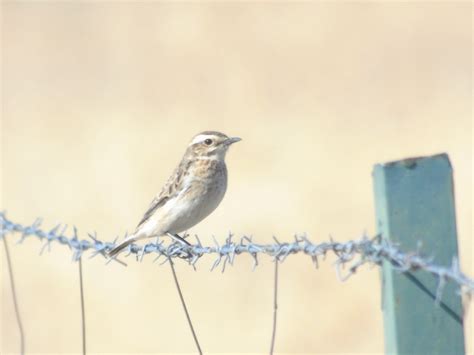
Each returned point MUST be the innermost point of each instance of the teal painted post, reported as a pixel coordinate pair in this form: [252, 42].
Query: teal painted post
[414, 200]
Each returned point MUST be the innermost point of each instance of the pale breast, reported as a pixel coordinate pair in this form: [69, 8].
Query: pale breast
[205, 187]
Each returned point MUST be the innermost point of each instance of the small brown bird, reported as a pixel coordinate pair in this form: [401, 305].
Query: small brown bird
[193, 191]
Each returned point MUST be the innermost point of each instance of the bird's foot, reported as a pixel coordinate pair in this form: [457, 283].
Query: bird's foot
[183, 253]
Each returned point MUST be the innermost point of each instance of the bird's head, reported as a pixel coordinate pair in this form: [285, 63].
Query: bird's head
[211, 145]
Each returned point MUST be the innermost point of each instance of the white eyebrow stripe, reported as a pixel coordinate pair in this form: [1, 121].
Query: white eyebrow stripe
[201, 138]
[206, 158]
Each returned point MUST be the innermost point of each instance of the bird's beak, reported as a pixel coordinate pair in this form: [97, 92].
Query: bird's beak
[232, 140]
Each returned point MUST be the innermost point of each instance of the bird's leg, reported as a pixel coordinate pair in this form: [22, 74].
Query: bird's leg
[185, 253]
[177, 238]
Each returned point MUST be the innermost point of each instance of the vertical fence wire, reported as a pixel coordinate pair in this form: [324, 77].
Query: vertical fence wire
[275, 307]
[184, 306]
[83, 311]
[15, 299]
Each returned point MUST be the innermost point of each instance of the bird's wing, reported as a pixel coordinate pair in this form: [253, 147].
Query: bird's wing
[172, 187]
[157, 202]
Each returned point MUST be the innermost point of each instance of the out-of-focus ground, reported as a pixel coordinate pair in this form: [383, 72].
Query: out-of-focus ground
[101, 98]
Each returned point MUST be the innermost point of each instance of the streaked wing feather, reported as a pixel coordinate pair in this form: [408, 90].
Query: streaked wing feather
[157, 202]
[170, 190]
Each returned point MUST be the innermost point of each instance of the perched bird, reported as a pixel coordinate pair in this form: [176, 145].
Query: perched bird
[193, 191]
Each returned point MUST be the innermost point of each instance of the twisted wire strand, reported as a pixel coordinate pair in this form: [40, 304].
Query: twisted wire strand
[354, 253]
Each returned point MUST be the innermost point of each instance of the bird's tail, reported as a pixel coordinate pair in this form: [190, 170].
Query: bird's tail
[121, 246]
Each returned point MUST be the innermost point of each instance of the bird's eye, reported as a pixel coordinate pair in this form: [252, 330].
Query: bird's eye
[208, 141]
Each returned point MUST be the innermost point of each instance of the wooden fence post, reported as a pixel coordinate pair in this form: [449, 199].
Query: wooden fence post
[414, 200]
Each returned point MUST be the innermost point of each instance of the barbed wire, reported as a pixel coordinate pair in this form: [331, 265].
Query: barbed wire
[354, 253]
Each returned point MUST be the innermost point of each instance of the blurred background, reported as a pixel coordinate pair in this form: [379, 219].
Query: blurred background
[100, 99]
